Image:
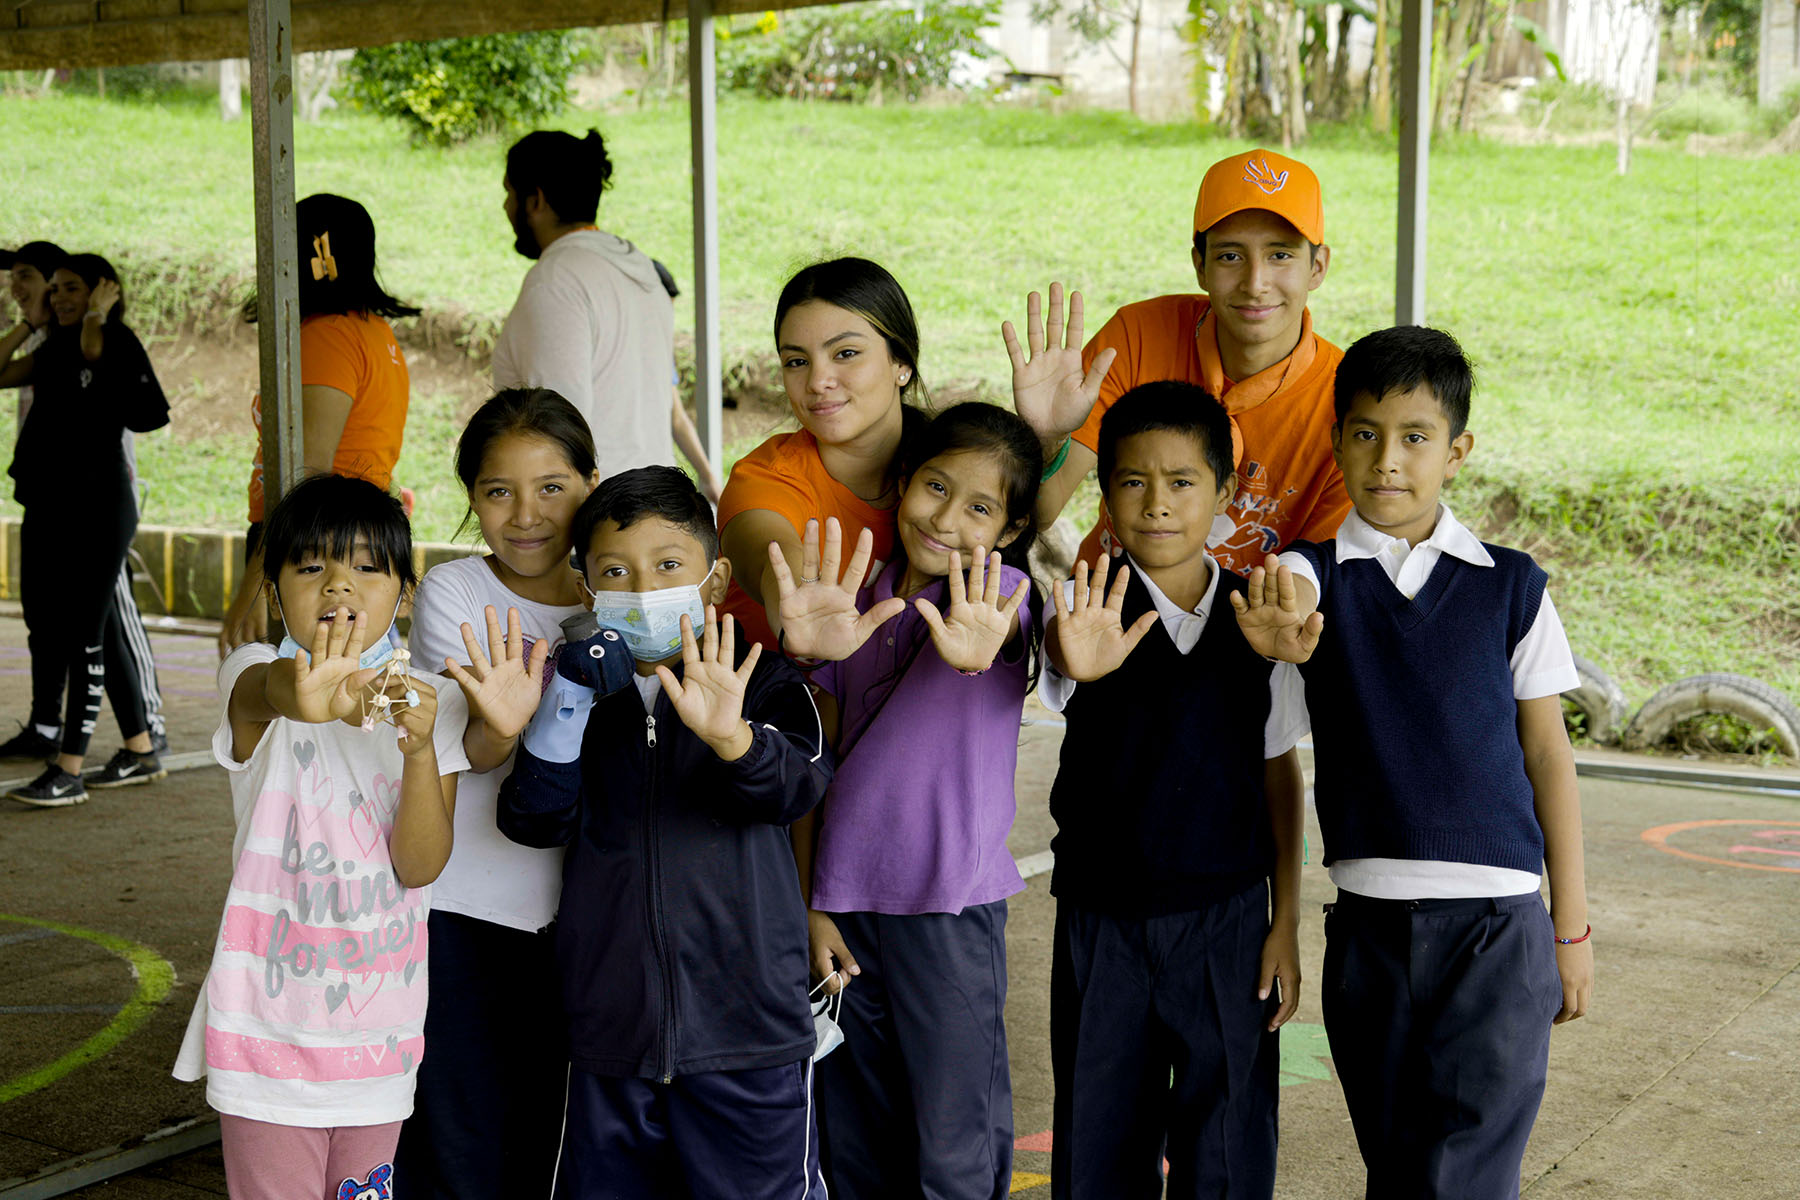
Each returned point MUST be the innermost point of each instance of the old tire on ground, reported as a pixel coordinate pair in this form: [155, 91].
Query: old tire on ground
[1750, 700]
[1599, 701]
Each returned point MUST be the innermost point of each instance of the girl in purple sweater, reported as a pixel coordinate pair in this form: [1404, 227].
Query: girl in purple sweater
[905, 865]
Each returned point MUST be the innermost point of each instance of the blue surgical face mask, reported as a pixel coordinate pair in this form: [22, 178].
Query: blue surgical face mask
[649, 623]
[375, 655]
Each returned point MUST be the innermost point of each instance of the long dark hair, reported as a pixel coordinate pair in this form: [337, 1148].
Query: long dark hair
[532, 412]
[91, 268]
[342, 281]
[868, 290]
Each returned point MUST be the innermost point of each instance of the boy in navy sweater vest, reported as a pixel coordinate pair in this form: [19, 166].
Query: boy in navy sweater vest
[1177, 799]
[681, 940]
[1444, 784]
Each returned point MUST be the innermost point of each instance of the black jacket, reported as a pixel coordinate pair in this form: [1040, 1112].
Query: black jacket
[681, 940]
[70, 450]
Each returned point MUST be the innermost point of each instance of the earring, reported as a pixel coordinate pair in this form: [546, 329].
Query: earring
[905, 378]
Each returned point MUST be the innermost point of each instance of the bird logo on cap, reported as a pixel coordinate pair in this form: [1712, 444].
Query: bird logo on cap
[1260, 174]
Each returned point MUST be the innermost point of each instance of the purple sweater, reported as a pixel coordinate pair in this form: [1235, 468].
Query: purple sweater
[916, 818]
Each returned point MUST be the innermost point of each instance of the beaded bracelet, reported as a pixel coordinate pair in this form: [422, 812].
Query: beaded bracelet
[1574, 941]
[1055, 464]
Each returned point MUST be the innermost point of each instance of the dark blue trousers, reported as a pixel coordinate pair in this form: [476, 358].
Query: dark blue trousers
[488, 1106]
[1438, 1013]
[1159, 1045]
[917, 1102]
[714, 1135]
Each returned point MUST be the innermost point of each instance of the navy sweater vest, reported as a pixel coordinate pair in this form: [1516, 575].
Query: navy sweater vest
[1415, 729]
[1158, 800]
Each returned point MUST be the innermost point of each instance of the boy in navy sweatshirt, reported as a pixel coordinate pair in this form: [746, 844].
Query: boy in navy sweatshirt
[1177, 799]
[1445, 786]
[681, 938]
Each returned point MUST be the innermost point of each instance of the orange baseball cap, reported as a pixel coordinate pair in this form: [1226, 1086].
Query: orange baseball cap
[1266, 180]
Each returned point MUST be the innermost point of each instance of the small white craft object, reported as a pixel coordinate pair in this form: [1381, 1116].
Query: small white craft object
[377, 706]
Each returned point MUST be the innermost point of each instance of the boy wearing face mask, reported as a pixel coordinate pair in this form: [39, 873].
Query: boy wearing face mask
[681, 938]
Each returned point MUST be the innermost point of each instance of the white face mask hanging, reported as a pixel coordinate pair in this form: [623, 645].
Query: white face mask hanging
[824, 1012]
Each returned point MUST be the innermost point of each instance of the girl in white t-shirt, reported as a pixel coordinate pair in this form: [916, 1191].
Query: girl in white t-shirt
[310, 1025]
[488, 1119]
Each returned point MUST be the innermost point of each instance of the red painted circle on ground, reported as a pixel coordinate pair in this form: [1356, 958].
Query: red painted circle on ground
[1760, 845]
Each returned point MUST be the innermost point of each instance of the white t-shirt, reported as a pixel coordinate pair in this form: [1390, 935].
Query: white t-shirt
[488, 877]
[1287, 722]
[313, 1010]
[1541, 664]
[593, 323]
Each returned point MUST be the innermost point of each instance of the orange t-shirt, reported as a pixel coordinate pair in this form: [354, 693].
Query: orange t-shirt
[786, 476]
[357, 355]
[1288, 487]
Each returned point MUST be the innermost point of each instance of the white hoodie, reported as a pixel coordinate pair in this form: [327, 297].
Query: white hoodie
[593, 323]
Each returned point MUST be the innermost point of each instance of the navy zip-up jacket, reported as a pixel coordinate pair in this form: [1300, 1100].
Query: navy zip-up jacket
[681, 940]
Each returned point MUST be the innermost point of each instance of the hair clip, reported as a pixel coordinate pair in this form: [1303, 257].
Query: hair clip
[324, 266]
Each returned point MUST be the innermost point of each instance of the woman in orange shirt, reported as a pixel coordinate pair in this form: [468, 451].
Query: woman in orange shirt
[354, 385]
[849, 350]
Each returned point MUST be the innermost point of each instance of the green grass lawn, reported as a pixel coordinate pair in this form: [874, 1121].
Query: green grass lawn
[1637, 412]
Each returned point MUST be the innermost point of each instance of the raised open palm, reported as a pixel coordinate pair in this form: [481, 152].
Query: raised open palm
[972, 630]
[328, 680]
[1272, 617]
[1089, 631]
[709, 696]
[1051, 392]
[505, 691]
[819, 618]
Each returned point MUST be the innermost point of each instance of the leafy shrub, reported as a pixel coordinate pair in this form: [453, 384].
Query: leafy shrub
[854, 51]
[450, 91]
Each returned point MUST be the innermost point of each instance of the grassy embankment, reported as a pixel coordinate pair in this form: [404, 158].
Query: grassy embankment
[1638, 412]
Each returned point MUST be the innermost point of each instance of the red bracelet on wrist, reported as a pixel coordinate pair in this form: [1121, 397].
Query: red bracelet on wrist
[1575, 941]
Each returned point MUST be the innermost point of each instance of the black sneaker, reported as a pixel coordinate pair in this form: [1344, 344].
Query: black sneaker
[55, 788]
[28, 743]
[126, 768]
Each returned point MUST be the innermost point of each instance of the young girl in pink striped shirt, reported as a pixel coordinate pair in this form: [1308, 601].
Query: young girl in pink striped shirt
[310, 1025]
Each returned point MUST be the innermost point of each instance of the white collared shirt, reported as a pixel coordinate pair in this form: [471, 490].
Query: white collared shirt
[1541, 663]
[1287, 722]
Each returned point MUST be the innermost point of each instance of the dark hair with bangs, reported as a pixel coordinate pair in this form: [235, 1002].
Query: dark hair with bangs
[326, 514]
[91, 269]
[665, 493]
[1403, 358]
[981, 428]
[571, 171]
[1177, 407]
[530, 412]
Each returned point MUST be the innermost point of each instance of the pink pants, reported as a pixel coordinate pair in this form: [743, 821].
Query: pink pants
[289, 1162]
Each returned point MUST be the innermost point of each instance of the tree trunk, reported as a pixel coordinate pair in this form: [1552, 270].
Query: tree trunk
[1447, 57]
[1131, 71]
[100, 80]
[1381, 111]
[1337, 100]
[1317, 64]
[1622, 130]
[1465, 116]
[1293, 115]
[1233, 108]
[231, 89]
[1790, 137]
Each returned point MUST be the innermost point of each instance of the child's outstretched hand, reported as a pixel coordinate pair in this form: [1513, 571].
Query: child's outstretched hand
[504, 692]
[709, 696]
[1281, 969]
[327, 680]
[978, 622]
[416, 721]
[1271, 617]
[1090, 638]
[818, 614]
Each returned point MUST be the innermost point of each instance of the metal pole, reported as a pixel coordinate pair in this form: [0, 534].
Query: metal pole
[709, 392]
[277, 266]
[1415, 161]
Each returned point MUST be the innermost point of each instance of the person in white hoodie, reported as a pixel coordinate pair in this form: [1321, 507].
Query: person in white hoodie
[592, 321]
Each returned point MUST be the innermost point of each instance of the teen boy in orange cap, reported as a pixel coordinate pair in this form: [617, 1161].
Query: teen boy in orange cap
[1259, 249]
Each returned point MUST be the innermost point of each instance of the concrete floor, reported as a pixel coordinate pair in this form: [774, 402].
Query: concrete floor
[1684, 1081]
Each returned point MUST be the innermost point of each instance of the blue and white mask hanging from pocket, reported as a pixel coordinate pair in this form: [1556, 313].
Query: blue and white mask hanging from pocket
[825, 1011]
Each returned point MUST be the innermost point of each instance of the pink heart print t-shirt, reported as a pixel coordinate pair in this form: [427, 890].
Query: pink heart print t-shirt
[313, 1011]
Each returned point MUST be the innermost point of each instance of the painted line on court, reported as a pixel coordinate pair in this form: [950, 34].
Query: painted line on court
[155, 976]
[1659, 838]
